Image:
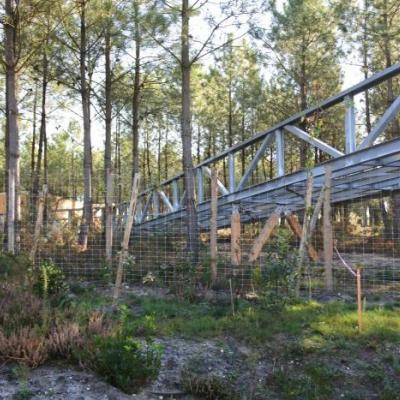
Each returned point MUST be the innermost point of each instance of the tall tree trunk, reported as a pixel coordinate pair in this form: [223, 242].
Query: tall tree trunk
[34, 123]
[303, 106]
[118, 159]
[87, 145]
[198, 144]
[365, 66]
[42, 135]
[166, 154]
[12, 136]
[108, 177]
[136, 94]
[230, 113]
[148, 152]
[186, 133]
[242, 153]
[159, 154]
[33, 151]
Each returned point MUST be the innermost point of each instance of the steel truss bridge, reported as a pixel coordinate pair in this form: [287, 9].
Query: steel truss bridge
[365, 168]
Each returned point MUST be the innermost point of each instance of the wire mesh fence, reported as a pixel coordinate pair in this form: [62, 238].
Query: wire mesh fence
[365, 233]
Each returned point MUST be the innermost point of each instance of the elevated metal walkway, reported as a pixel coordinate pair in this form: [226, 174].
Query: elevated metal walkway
[363, 169]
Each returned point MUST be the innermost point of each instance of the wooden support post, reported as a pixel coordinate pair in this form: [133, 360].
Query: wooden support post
[297, 230]
[306, 221]
[38, 223]
[70, 216]
[305, 231]
[359, 299]
[265, 234]
[109, 215]
[213, 225]
[236, 253]
[327, 230]
[125, 241]
[317, 210]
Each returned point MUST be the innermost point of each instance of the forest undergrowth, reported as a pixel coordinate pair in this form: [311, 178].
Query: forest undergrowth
[289, 349]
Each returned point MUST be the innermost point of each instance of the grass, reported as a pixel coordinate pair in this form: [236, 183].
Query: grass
[316, 348]
[318, 326]
[312, 350]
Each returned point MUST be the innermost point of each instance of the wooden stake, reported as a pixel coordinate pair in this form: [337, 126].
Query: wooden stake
[213, 225]
[265, 234]
[125, 241]
[305, 231]
[327, 230]
[236, 253]
[38, 223]
[232, 300]
[297, 230]
[306, 221]
[359, 300]
[317, 210]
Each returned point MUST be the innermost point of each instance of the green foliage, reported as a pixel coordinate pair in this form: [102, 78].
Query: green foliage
[50, 282]
[315, 383]
[124, 362]
[320, 326]
[13, 266]
[21, 373]
[275, 281]
[24, 393]
[104, 273]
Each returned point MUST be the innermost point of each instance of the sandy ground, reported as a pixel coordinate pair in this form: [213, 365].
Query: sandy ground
[58, 382]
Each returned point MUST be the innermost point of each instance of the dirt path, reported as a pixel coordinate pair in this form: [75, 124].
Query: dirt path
[58, 382]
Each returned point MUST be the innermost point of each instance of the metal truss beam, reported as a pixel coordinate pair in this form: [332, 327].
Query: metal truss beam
[364, 169]
[260, 152]
[380, 126]
[313, 141]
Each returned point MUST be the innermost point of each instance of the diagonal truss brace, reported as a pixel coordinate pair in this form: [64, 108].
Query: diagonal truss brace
[313, 141]
[145, 208]
[221, 186]
[386, 118]
[166, 201]
[260, 152]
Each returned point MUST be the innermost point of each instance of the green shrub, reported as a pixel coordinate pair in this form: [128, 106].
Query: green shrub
[104, 272]
[50, 282]
[14, 267]
[125, 362]
[24, 393]
[275, 280]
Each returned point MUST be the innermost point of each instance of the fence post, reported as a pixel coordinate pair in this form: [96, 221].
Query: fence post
[236, 253]
[304, 234]
[359, 299]
[327, 230]
[126, 237]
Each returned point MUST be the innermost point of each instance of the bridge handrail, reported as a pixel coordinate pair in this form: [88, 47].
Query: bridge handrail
[360, 87]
